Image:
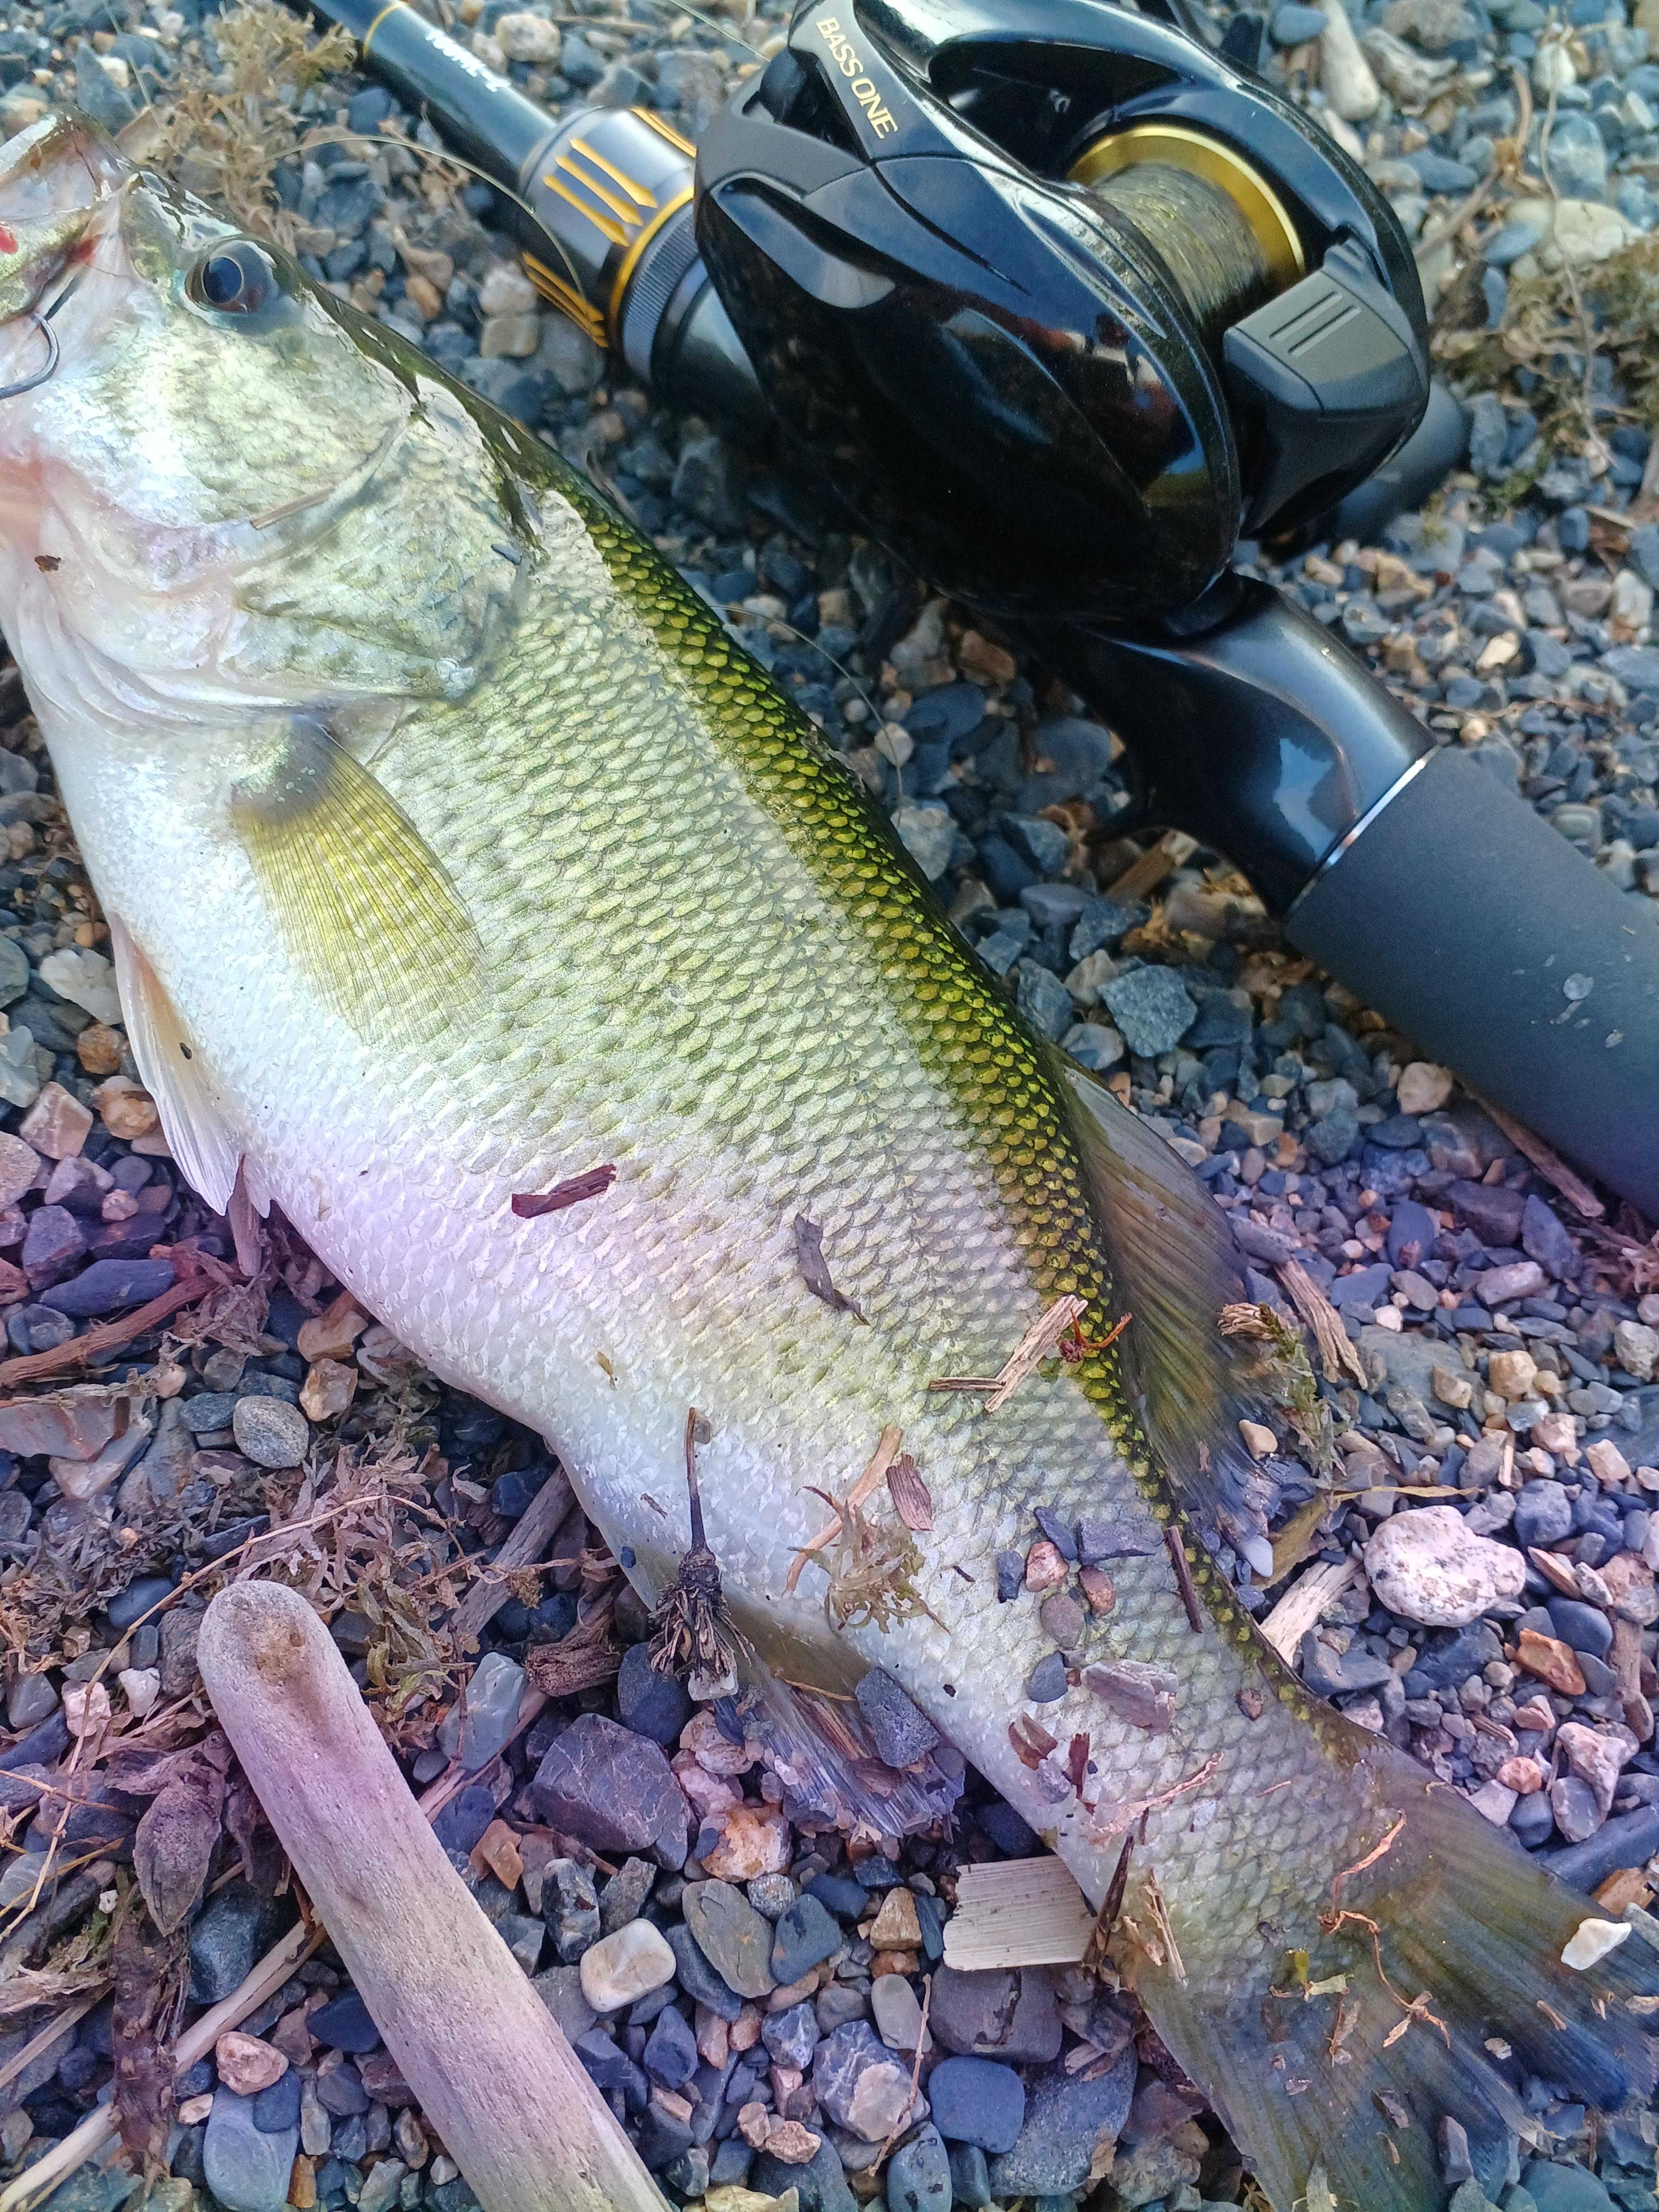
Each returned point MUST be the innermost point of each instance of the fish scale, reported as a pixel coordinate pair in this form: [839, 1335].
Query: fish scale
[451, 849]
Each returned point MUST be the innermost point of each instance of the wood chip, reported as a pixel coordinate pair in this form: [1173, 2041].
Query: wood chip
[1173, 850]
[1338, 1354]
[1303, 1606]
[909, 1494]
[1554, 1570]
[581, 1660]
[1018, 1912]
[1039, 1340]
[1549, 1164]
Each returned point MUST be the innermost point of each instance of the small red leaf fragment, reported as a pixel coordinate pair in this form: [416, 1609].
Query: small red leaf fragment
[529, 1204]
[1077, 1761]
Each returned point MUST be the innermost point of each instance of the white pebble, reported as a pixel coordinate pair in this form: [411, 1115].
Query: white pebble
[1429, 1567]
[1591, 1940]
[631, 1964]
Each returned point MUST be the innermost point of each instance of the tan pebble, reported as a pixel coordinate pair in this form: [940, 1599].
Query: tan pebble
[327, 1390]
[745, 2030]
[1511, 1374]
[58, 1124]
[753, 2121]
[126, 1108]
[142, 1687]
[424, 296]
[903, 1963]
[714, 2038]
[1558, 1433]
[331, 1333]
[791, 2143]
[1098, 1589]
[1552, 1661]
[755, 1840]
[194, 2110]
[1591, 1940]
[1424, 1087]
[896, 1925]
[19, 1164]
[302, 2181]
[714, 1752]
[990, 664]
[1452, 1387]
[1062, 1619]
[795, 1993]
[292, 2037]
[497, 1849]
[631, 1964]
[1259, 1440]
[1045, 1567]
[98, 1049]
[1607, 1463]
[1524, 1775]
[246, 2064]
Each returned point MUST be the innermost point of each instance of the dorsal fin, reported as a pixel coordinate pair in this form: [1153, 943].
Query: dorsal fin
[1176, 1265]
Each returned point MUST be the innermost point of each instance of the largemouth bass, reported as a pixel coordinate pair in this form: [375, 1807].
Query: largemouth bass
[452, 850]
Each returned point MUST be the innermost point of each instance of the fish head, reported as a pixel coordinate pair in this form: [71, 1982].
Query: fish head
[194, 502]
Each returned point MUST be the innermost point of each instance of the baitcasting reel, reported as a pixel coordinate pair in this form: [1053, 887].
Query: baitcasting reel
[1058, 302]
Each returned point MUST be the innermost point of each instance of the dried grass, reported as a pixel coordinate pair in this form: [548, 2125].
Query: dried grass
[223, 131]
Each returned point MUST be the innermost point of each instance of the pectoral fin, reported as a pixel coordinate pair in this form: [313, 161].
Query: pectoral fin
[1177, 1266]
[176, 1076]
[365, 907]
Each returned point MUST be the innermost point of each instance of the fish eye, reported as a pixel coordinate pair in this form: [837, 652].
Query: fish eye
[234, 280]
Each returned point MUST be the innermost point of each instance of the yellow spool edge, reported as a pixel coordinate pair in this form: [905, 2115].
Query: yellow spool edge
[1178, 147]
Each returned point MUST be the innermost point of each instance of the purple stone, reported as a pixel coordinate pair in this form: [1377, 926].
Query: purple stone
[51, 1244]
[109, 1284]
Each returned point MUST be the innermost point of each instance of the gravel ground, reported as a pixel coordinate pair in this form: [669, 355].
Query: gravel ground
[1502, 1366]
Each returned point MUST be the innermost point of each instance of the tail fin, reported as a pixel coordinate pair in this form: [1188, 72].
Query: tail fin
[1427, 1984]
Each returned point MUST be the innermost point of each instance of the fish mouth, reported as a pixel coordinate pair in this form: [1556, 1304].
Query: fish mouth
[55, 176]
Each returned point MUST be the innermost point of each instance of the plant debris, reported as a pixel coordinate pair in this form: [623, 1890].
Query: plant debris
[694, 1639]
[1275, 1362]
[909, 1494]
[152, 1972]
[222, 132]
[815, 1268]
[1042, 1339]
[529, 1205]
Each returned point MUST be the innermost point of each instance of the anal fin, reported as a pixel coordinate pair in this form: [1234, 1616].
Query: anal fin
[817, 1744]
[176, 1076]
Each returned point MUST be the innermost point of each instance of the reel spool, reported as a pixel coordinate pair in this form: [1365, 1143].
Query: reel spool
[1221, 231]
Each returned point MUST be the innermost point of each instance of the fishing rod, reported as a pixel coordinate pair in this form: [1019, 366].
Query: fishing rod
[1058, 302]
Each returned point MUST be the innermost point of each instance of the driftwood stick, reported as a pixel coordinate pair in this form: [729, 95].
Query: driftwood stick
[514, 2106]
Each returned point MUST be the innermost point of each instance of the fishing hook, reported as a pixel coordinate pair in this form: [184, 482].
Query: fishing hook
[43, 324]
[28, 383]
